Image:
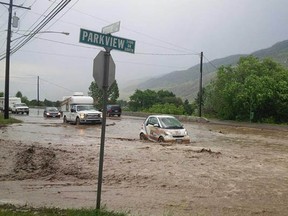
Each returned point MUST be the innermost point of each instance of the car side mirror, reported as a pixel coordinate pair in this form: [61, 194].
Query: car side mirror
[72, 110]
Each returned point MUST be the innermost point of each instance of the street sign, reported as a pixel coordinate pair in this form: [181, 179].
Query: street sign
[115, 27]
[107, 41]
[99, 70]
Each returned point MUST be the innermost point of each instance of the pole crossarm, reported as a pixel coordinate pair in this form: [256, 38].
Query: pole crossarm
[28, 8]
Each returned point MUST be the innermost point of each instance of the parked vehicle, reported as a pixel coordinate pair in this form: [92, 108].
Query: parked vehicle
[51, 112]
[12, 101]
[163, 128]
[20, 108]
[78, 109]
[114, 110]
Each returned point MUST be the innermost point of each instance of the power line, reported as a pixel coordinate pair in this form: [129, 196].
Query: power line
[63, 14]
[41, 25]
[89, 58]
[168, 54]
[210, 62]
[55, 84]
[143, 34]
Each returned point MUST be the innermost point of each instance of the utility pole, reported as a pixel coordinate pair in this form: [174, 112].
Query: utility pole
[6, 105]
[7, 71]
[200, 85]
[38, 91]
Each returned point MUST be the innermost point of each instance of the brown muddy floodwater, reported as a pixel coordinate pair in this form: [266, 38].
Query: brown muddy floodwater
[227, 169]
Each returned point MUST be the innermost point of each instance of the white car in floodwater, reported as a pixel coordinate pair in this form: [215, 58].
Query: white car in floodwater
[163, 128]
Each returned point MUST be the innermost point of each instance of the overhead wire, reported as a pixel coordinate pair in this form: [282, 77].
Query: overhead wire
[22, 16]
[42, 24]
[64, 14]
[137, 53]
[55, 84]
[210, 62]
[156, 54]
[143, 34]
[38, 27]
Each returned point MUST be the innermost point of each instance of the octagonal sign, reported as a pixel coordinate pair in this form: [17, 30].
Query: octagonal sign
[99, 70]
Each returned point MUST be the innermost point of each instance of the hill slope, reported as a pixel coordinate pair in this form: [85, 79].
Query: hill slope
[185, 83]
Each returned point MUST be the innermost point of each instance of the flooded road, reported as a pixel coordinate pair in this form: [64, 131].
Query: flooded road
[36, 128]
[226, 169]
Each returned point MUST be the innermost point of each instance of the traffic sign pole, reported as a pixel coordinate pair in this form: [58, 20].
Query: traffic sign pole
[103, 130]
[109, 42]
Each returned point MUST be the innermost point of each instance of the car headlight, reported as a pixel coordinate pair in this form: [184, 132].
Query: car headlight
[167, 133]
[82, 115]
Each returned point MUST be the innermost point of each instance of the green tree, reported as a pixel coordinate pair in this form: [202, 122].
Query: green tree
[143, 100]
[25, 100]
[1, 94]
[166, 109]
[97, 93]
[188, 108]
[19, 94]
[252, 90]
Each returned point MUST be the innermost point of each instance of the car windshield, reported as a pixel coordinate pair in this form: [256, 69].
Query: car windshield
[52, 109]
[22, 104]
[170, 123]
[85, 107]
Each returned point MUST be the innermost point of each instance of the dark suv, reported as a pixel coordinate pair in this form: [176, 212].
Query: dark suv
[114, 110]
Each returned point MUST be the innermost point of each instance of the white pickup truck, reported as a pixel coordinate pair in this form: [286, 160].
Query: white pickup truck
[20, 108]
[79, 109]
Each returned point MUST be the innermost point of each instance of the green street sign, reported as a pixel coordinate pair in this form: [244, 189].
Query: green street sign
[105, 40]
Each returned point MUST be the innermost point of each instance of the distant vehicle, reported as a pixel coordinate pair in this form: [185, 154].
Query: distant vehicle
[163, 128]
[51, 112]
[114, 110]
[12, 101]
[20, 108]
[79, 109]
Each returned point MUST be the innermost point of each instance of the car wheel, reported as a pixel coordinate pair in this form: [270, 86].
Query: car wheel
[27, 113]
[142, 136]
[77, 121]
[160, 139]
[64, 119]
[119, 115]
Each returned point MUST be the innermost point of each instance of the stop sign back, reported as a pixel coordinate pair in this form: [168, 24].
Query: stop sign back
[99, 70]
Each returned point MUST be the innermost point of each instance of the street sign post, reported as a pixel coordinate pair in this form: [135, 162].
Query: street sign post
[115, 27]
[107, 41]
[104, 76]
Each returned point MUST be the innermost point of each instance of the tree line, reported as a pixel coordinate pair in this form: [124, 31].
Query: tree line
[34, 103]
[252, 90]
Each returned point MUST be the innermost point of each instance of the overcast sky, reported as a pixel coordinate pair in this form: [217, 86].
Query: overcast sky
[169, 36]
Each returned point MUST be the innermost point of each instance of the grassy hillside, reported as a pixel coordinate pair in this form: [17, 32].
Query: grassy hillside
[185, 83]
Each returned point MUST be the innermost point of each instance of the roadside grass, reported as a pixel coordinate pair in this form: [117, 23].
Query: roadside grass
[8, 121]
[11, 210]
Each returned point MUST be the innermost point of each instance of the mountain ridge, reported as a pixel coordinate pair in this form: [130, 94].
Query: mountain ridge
[185, 83]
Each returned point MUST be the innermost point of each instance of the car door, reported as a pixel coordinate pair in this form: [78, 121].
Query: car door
[152, 129]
